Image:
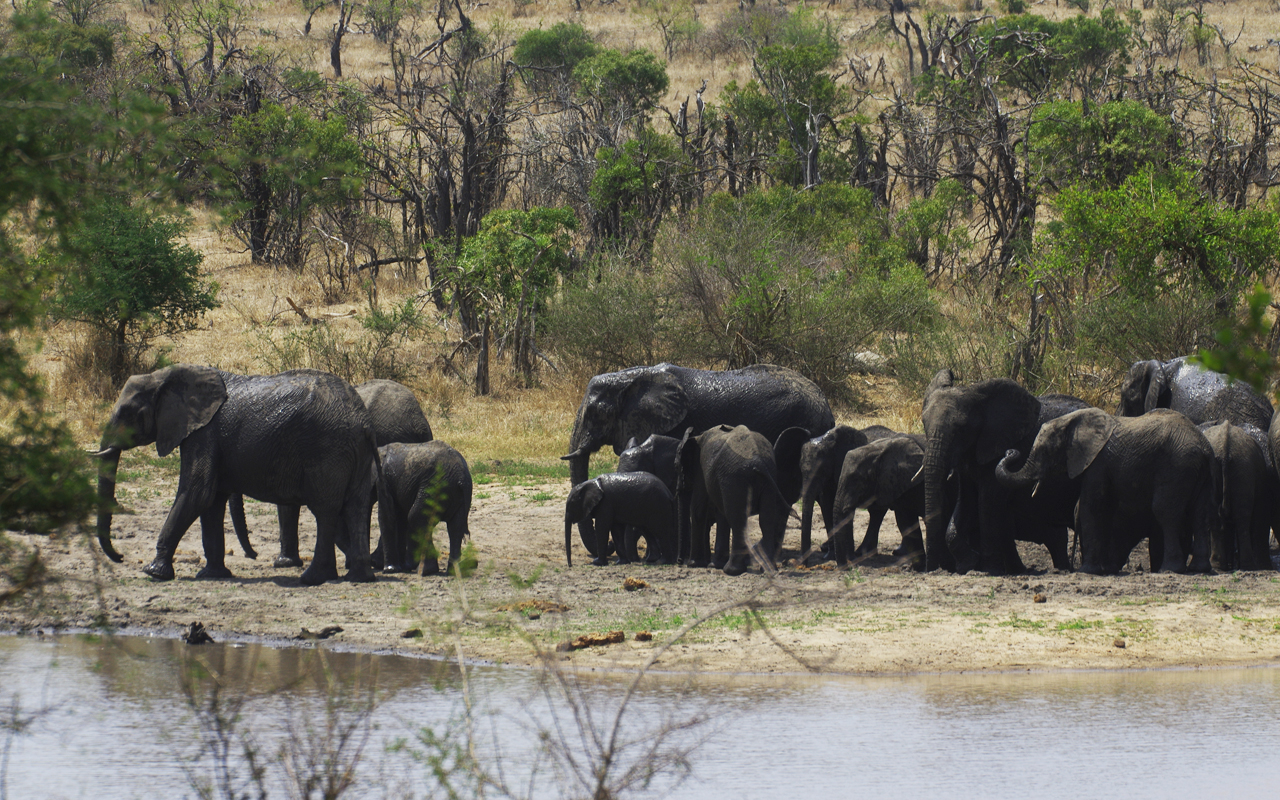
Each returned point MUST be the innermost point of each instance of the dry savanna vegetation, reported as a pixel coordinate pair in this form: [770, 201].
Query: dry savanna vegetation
[491, 202]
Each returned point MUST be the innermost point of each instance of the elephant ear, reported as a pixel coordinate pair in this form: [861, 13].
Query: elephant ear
[687, 460]
[942, 379]
[908, 457]
[786, 455]
[1010, 414]
[188, 398]
[1090, 431]
[592, 494]
[655, 402]
[1157, 385]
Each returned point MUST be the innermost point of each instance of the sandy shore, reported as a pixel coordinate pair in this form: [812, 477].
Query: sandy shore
[874, 619]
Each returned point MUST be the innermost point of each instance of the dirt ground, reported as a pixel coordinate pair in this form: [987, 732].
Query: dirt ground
[875, 618]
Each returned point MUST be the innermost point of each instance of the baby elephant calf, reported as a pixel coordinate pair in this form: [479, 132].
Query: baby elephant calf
[624, 505]
[422, 484]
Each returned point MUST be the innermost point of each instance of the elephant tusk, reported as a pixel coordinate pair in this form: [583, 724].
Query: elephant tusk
[1035, 489]
[919, 472]
[106, 451]
[574, 454]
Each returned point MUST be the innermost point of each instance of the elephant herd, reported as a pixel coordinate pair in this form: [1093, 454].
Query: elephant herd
[298, 438]
[1187, 464]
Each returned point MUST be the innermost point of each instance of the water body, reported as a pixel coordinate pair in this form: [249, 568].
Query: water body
[109, 718]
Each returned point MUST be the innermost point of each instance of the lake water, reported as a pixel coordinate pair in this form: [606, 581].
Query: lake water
[109, 718]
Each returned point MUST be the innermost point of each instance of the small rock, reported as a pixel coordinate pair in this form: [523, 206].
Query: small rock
[412, 633]
[632, 584]
[1119, 643]
[196, 634]
[644, 636]
[1039, 598]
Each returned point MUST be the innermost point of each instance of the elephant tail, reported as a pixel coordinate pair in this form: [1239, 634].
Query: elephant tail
[782, 497]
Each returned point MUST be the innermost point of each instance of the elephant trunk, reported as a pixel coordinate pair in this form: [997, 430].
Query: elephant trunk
[806, 525]
[107, 469]
[1010, 474]
[934, 472]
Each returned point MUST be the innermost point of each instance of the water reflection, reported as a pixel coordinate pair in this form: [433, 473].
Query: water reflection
[121, 726]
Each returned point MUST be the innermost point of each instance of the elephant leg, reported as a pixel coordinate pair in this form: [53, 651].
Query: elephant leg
[699, 553]
[962, 527]
[417, 540]
[841, 538]
[722, 542]
[735, 548]
[912, 547]
[871, 541]
[1171, 514]
[195, 494]
[236, 505]
[1093, 530]
[995, 531]
[289, 556]
[625, 541]
[324, 564]
[604, 532]
[458, 531]
[213, 538]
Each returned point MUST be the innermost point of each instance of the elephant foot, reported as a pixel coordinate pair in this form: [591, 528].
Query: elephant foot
[215, 573]
[315, 575]
[735, 568]
[287, 562]
[160, 569]
[699, 563]
[361, 574]
[404, 568]
[430, 566]
[600, 562]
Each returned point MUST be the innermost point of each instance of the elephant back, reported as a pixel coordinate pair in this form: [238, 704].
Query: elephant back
[1203, 395]
[765, 398]
[397, 415]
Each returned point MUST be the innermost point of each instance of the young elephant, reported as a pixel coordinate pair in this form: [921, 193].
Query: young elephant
[1242, 537]
[623, 505]
[820, 461]
[1153, 475]
[884, 474]
[422, 484]
[726, 475]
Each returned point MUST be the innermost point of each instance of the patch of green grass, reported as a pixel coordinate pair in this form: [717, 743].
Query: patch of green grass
[1079, 625]
[1021, 623]
[541, 497]
[527, 473]
[655, 621]
[482, 495]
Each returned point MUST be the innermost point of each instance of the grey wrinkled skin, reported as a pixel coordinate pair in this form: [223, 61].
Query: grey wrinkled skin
[1152, 476]
[968, 429]
[397, 417]
[667, 399]
[1202, 396]
[1242, 528]
[728, 474]
[422, 483]
[820, 461]
[882, 474]
[655, 455]
[623, 506]
[297, 438]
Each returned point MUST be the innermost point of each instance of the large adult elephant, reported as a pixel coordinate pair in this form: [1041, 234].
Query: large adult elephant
[667, 399]
[397, 417]
[1199, 394]
[297, 438]
[1151, 476]
[968, 429]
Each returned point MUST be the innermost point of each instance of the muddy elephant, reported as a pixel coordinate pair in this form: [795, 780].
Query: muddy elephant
[968, 429]
[1242, 532]
[821, 459]
[667, 399]
[624, 506]
[884, 474]
[397, 417]
[656, 455]
[422, 483]
[728, 474]
[1152, 476]
[297, 438]
[1200, 394]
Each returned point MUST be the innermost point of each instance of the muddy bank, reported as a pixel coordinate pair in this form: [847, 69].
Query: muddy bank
[522, 602]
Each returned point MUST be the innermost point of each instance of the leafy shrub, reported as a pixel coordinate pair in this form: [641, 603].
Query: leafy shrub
[608, 317]
[635, 79]
[790, 278]
[130, 281]
[557, 49]
[1114, 141]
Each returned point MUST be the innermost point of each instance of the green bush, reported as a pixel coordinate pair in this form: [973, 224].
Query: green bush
[556, 50]
[1114, 141]
[132, 282]
[608, 317]
[635, 79]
